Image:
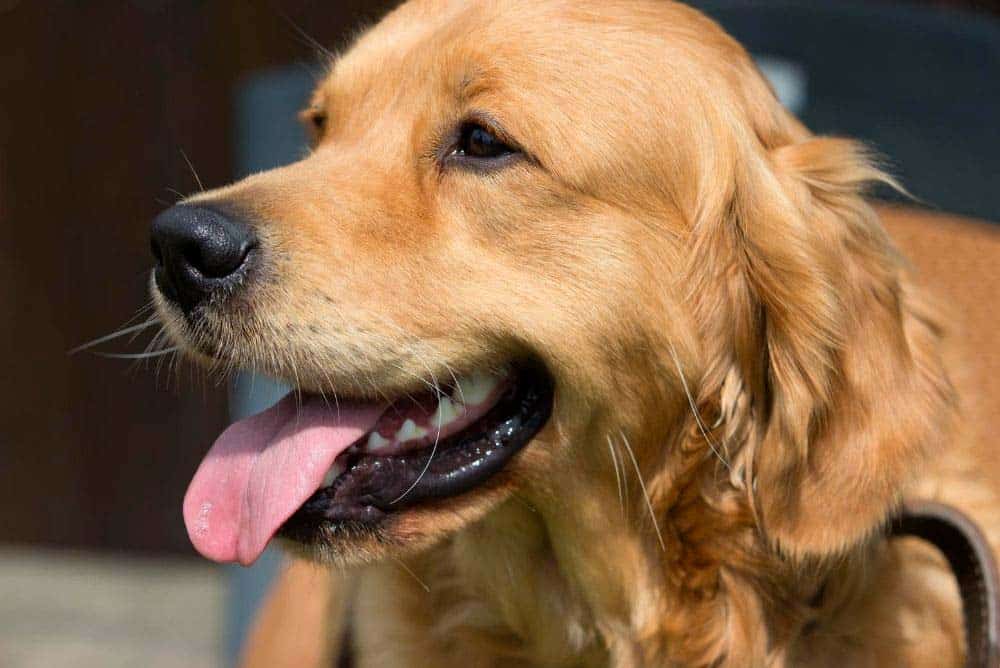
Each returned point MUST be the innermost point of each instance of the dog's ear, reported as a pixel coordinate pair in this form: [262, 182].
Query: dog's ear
[838, 360]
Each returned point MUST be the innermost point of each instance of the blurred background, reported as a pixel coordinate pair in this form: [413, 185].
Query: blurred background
[110, 111]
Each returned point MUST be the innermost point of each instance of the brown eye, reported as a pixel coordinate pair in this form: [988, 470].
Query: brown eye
[318, 121]
[475, 141]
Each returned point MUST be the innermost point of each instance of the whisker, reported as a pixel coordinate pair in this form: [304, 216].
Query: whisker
[618, 475]
[333, 390]
[165, 361]
[155, 344]
[306, 37]
[458, 385]
[436, 388]
[437, 438]
[694, 410]
[433, 386]
[621, 461]
[645, 493]
[114, 335]
[197, 178]
[139, 314]
[139, 356]
[173, 370]
[297, 389]
[420, 379]
[423, 585]
[422, 473]
[162, 335]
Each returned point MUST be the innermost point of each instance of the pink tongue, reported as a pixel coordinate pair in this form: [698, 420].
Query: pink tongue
[262, 469]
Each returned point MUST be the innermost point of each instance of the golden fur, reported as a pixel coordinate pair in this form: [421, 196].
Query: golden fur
[747, 380]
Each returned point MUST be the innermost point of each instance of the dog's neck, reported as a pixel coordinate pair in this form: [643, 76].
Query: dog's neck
[575, 590]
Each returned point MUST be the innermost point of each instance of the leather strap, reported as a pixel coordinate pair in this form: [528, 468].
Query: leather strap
[971, 560]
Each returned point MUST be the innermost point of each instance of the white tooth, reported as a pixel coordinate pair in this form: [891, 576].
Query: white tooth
[333, 473]
[444, 415]
[476, 388]
[376, 442]
[457, 403]
[409, 431]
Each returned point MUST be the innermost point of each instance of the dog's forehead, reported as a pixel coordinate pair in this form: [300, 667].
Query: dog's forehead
[634, 77]
[422, 41]
[437, 46]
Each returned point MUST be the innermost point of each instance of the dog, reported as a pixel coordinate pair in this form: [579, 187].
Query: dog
[600, 357]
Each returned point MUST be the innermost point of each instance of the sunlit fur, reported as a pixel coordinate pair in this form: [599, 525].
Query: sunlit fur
[739, 354]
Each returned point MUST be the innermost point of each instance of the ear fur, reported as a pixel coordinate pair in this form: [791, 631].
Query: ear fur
[847, 391]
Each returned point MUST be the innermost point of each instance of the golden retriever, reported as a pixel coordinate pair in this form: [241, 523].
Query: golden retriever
[601, 358]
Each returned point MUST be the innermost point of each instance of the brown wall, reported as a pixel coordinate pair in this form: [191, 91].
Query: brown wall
[97, 101]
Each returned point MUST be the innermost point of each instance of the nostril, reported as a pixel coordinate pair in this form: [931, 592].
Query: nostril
[194, 258]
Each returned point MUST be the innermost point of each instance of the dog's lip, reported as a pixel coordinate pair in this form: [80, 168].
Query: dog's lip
[369, 486]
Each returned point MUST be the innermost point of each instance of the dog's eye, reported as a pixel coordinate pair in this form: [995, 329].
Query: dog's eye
[475, 141]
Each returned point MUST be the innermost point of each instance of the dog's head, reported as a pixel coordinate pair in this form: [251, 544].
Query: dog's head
[538, 246]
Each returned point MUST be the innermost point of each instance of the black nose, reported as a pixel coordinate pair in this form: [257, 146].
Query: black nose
[197, 251]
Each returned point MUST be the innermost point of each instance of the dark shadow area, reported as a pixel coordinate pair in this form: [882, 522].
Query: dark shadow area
[911, 81]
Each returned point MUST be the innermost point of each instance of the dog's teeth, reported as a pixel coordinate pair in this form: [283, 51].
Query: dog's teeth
[410, 431]
[376, 442]
[475, 388]
[333, 473]
[457, 404]
[445, 414]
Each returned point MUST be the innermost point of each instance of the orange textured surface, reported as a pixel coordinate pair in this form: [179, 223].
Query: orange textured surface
[958, 261]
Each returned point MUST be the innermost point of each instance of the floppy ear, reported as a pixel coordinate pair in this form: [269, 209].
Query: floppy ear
[840, 361]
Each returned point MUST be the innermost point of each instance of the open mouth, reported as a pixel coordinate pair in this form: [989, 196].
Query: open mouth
[310, 463]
